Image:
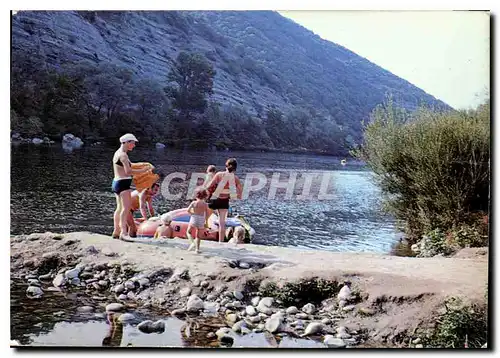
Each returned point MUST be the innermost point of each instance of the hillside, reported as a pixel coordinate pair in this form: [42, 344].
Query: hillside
[276, 83]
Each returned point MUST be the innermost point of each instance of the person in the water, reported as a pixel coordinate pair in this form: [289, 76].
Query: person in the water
[121, 185]
[142, 201]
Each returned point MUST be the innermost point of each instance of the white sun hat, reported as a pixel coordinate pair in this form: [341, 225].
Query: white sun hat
[128, 138]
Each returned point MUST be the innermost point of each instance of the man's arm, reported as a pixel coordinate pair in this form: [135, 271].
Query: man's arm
[142, 204]
[239, 188]
[150, 207]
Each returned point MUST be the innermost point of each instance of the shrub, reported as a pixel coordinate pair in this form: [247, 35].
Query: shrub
[432, 167]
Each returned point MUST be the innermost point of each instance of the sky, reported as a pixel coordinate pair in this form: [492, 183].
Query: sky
[445, 53]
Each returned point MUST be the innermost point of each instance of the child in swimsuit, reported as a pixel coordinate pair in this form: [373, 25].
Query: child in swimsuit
[198, 221]
[164, 230]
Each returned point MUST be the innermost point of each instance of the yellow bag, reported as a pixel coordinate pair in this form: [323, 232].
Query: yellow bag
[144, 180]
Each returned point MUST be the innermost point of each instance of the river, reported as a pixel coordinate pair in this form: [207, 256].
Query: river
[62, 191]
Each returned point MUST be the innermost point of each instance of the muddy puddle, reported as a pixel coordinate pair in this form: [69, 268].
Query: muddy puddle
[66, 319]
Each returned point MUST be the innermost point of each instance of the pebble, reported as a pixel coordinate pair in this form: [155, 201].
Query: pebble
[205, 284]
[237, 326]
[273, 324]
[130, 285]
[34, 282]
[250, 310]
[59, 280]
[146, 326]
[254, 319]
[344, 293]
[302, 315]
[85, 309]
[178, 312]
[194, 304]
[237, 304]
[34, 291]
[131, 295]
[348, 308]
[122, 297]
[45, 277]
[126, 317]
[103, 283]
[196, 282]
[244, 265]
[419, 346]
[313, 328]
[72, 273]
[292, 310]
[326, 321]
[232, 318]
[185, 291]
[118, 288]
[333, 342]
[238, 295]
[114, 307]
[309, 308]
[108, 252]
[255, 301]
[210, 335]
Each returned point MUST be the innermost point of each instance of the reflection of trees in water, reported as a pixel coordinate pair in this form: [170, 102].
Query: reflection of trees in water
[194, 332]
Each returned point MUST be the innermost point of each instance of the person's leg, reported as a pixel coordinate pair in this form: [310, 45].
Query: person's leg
[222, 224]
[132, 228]
[197, 240]
[126, 203]
[190, 237]
[116, 217]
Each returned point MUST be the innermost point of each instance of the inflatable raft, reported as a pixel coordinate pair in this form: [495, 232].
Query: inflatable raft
[180, 222]
[144, 180]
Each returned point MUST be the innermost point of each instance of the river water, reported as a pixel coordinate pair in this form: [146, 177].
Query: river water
[61, 191]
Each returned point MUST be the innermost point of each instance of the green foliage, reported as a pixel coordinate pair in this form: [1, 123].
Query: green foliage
[433, 167]
[458, 323]
[194, 76]
[27, 127]
[312, 290]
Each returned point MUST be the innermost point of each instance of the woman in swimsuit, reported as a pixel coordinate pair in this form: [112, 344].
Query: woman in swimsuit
[121, 184]
[230, 187]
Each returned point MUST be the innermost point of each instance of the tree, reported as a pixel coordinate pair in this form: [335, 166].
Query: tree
[194, 76]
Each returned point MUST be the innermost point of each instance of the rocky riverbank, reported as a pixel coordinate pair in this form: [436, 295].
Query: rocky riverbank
[340, 299]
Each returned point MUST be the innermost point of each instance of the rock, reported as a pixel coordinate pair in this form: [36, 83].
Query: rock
[348, 308]
[59, 280]
[244, 265]
[130, 295]
[238, 295]
[292, 310]
[146, 326]
[86, 275]
[237, 326]
[255, 300]
[326, 321]
[144, 282]
[45, 277]
[75, 281]
[70, 274]
[254, 319]
[274, 323]
[126, 317]
[416, 340]
[232, 318]
[211, 297]
[344, 294]
[484, 345]
[205, 284]
[85, 309]
[160, 145]
[210, 335]
[108, 252]
[366, 311]
[118, 288]
[224, 302]
[196, 282]
[91, 250]
[343, 335]
[114, 307]
[34, 291]
[250, 310]
[179, 312]
[122, 297]
[103, 283]
[179, 273]
[333, 342]
[211, 307]
[37, 141]
[314, 328]
[184, 292]
[342, 303]
[302, 315]
[194, 304]
[309, 308]
[265, 304]
[222, 332]
[59, 313]
[34, 282]
[159, 326]
[419, 346]
[237, 304]
[130, 285]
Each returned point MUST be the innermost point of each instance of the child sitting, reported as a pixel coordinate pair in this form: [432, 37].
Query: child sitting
[238, 236]
[164, 230]
[199, 215]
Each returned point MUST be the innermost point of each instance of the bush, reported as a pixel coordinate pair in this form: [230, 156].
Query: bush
[459, 323]
[433, 167]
